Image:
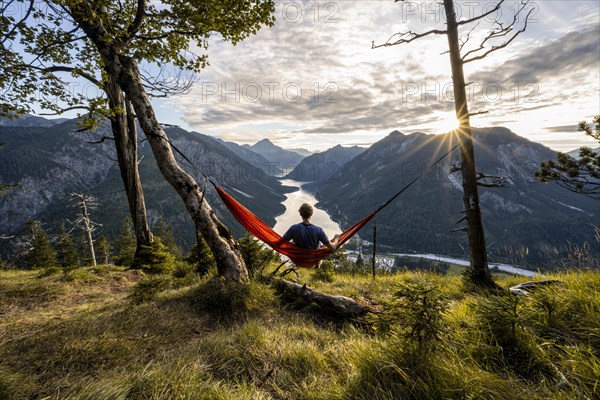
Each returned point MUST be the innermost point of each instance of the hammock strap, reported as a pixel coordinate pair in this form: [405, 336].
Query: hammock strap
[381, 207]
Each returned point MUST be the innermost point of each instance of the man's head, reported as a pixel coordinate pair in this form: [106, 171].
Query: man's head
[306, 211]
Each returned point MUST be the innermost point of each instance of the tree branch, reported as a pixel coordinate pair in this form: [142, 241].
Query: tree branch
[13, 30]
[407, 37]
[138, 20]
[503, 31]
[477, 18]
[64, 68]
[63, 110]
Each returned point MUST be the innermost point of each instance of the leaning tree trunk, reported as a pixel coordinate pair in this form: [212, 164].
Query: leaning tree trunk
[125, 134]
[480, 272]
[125, 71]
[230, 263]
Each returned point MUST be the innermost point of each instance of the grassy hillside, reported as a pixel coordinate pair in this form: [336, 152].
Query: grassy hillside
[115, 334]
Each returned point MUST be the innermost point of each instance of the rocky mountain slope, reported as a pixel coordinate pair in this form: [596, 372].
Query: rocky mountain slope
[526, 219]
[51, 162]
[282, 158]
[320, 167]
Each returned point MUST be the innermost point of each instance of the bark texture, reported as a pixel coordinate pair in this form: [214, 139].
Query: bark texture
[341, 306]
[124, 70]
[479, 270]
[125, 135]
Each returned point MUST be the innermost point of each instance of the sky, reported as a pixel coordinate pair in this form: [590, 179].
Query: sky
[313, 80]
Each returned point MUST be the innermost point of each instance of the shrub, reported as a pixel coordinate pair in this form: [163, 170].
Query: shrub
[201, 257]
[324, 273]
[147, 288]
[156, 259]
[416, 314]
[255, 254]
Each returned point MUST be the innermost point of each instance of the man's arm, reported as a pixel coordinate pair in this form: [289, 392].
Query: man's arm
[333, 245]
[289, 234]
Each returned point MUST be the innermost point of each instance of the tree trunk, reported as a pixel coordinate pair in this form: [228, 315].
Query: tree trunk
[87, 225]
[479, 270]
[230, 263]
[125, 71]
[339, 306]
[125, 134]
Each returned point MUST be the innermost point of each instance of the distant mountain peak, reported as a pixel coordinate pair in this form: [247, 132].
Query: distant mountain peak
[395, 133]
[264, 141]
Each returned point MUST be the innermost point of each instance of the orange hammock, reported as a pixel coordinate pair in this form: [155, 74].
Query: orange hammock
[306, 258]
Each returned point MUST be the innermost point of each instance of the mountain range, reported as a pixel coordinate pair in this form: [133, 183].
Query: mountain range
[280, 157]
[526, 219]
[50, 161]
[320, 167]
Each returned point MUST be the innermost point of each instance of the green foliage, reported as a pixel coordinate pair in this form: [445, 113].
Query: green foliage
[125, 245]
[147, 288]
[420, 264]
[40, 254]
[166, 234]
[231, 301]
[201, 257]
[255, 254]
[324, 272]
[66, 252]
[415, 314]
[155, 259]
[102, 248]
[156, 34]
[581, 175]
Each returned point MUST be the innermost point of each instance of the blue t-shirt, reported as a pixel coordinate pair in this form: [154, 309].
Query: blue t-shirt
[306, 236]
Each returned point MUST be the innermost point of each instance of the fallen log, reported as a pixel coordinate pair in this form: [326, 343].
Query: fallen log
[339, 306]
[523, 289]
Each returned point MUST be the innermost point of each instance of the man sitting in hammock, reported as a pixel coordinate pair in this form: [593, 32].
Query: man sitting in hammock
[307, 235]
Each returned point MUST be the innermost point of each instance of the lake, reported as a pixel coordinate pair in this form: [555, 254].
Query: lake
[293, 202]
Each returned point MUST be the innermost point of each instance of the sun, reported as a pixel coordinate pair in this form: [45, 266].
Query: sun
[445, 122]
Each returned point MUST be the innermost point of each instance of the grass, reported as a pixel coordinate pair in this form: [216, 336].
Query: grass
[116, 334]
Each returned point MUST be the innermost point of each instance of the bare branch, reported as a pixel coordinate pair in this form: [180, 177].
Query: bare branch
[500, 32]
[407, 37]
[102, 140]
[479, 17]
[466, 37]
[478, 113]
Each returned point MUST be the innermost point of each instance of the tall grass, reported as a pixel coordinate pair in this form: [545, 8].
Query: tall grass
[115, 334]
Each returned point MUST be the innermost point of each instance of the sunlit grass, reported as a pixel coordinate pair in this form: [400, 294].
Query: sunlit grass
[88, 337]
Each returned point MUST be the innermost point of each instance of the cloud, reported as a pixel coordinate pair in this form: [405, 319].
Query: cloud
[576, 53]
[304, 77]
[562, 128]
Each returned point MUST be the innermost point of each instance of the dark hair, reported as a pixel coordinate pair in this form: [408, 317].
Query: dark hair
[306, 210]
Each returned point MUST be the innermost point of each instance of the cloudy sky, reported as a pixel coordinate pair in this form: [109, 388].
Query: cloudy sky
[313, 80]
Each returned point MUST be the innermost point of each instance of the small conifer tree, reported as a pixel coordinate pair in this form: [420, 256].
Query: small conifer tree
[254, 253]
[201, 257]
[66, 252]
[165, 232]
[125, 244]
[103, 249]
[41, 254]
